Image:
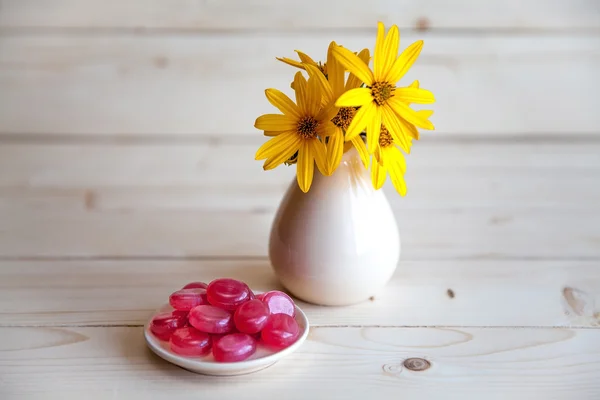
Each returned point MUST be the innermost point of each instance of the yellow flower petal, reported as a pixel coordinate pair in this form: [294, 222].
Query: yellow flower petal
[360, 120]
[325, 86]
[373, 130]
[354, 64]
[409, 129]
[353, 81]
[313, 96]
[282, 102]
[305, 166]
[389, 52]
[425, 113]
[290, 148]
[335, 72]
[396, 172]
[277, 133]
[378, 155]
[277, 145]
[392, 155]
[360, 146]
[300, 87]
[414, 95]
[377, 174]
[404, 111]
[379, 57]
[404, 62]
[335, 150]
[320, 154]
[275, 122]
[415, 84]
[326, 128]
[355, 98]
[392, 123]
[305, 58]
[291, 62]
[328, 112]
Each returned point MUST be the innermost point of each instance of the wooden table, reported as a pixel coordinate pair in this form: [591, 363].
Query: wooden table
[127, 170]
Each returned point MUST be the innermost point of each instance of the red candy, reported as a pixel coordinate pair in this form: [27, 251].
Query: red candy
[164, 324]
[228, 318]
[228, 293]
[280, 331]
[251, 316]
[211, 319]
[186, 299]
[234, 347]
[195, 285]
[190, 342]
[279, 303]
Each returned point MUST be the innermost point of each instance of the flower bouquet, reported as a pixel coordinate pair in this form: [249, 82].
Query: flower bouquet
[333, 109]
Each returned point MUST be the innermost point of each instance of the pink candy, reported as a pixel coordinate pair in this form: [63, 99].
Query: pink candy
[211, 319]
[280, 331]
[195, 285]
[279, 303]
[190, 342]
[164, 324]
[234, 347]
[228, 318]
[251, 316]
[186, 299]
[228, 293]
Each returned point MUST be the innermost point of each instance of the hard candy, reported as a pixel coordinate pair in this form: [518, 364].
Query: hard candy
[280, 331]
[234, 347]
[195, 285]
[228, 293]
[279, 303]
[251, 316]
[186, 299]
[164, 324]
[190, 342]
[211, 319]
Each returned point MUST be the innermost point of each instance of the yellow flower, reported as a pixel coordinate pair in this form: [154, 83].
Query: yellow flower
[388, 159]
[296, 130]
[333, 87]
[381, 101]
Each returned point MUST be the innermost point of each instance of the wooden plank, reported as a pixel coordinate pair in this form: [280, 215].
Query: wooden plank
[422, 293]
[426, 233]
[224, 175]
[334, 363]
[214, 84]
[469, 199]
[290, 15]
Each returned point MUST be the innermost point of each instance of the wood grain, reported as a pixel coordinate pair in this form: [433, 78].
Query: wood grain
[466, 200]
[484, 293]
[214, 84]
[308, 15]
[334, 363]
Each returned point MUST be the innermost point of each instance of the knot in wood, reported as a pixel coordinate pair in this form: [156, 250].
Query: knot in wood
[416, 364]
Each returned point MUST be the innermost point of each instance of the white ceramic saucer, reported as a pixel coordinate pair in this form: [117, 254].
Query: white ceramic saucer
[263, 357]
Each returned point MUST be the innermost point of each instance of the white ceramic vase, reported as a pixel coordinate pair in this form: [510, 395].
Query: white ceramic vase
[338, 244]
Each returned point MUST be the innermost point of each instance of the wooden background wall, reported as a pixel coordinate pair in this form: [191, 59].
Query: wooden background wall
[126, 128]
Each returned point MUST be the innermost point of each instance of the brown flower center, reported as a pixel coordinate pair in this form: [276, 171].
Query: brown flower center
[385, 139]
[307, 127]
[381, 91]
[343, 118]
